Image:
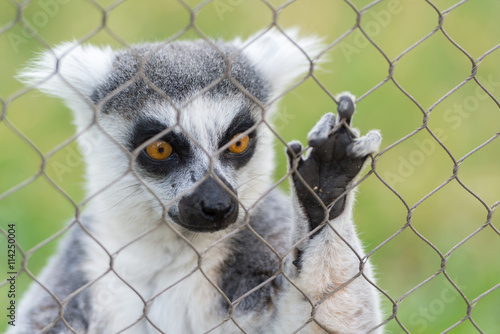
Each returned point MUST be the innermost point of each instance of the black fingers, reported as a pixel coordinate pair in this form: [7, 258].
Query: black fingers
[294, 151]
[346, 108]
[321, 131]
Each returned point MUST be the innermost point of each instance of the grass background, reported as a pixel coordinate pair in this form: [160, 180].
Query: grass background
[413, 168]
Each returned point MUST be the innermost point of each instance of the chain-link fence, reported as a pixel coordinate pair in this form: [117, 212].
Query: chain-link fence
[424, 72]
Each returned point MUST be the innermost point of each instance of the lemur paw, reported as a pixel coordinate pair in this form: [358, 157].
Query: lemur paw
[336, 158]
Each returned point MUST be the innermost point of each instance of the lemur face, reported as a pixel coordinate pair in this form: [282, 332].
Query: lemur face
[195, 138]
[184, 126]
[200, 160]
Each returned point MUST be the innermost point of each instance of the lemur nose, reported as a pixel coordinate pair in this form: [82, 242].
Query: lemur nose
[210, 207]
[217, 212]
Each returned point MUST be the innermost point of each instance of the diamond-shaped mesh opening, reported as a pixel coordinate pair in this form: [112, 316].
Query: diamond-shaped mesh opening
[427, 206]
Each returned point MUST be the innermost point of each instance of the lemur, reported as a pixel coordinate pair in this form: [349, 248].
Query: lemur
[184, 230]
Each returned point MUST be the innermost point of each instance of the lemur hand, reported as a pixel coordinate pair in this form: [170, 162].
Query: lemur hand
[337, 156]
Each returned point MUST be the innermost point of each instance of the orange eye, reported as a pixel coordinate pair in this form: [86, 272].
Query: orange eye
[159, 150]
[240, 145]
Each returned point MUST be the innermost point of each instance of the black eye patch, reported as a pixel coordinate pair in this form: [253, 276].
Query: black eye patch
[182, 151]
[147, 129]
[241, 123]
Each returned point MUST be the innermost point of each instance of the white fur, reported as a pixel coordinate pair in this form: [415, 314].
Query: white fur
[283, 57]
[70, 71]
[328, 264]
[368, 144]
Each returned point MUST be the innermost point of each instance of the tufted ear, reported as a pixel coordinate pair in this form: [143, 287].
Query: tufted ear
[71, 72]
[280, 60]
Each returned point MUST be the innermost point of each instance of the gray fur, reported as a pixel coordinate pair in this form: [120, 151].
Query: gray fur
[67, 277]
[252, 262]
[319, 133]
[164, 67]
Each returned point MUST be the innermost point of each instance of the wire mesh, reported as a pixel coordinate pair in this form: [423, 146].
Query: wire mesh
[401, 159]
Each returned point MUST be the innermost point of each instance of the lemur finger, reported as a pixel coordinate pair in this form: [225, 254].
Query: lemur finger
[294, 151]
[319, 133]
[363, 146]
[346, 106]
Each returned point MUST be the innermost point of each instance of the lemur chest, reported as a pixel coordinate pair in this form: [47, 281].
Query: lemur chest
[178, 290]
[178, 293]
[188, 304]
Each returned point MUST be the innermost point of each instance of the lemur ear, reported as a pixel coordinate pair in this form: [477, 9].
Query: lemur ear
[282, 59]
[71, 72]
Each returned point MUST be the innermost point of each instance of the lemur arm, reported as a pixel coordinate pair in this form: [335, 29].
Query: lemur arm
[331, 290]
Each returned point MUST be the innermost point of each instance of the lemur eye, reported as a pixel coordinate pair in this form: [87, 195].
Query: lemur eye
[240, 145]
[159, 150]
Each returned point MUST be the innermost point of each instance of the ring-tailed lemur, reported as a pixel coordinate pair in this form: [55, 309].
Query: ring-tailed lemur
[176, 235]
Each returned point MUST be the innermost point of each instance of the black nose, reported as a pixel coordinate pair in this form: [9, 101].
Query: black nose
[218, 211]
[210, 207]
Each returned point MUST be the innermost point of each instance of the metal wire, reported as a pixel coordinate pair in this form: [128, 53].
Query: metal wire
[391, 64]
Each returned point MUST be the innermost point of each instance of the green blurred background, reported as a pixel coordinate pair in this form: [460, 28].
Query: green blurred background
[413, 168]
